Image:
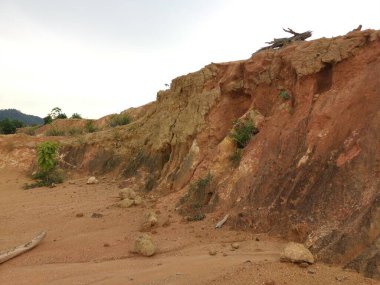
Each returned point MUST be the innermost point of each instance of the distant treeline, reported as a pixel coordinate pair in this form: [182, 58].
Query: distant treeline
[15, 115]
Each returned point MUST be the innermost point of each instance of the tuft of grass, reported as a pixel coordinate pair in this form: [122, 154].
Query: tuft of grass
[242, 132]
[119, 120]
[149, 183]
[30, 131]
[134, 163]
[199, 216]
[54, 132]
[235, 157]
[196, 198]
[75, 131]
[284, 95]
[46, 180]
[89, 127]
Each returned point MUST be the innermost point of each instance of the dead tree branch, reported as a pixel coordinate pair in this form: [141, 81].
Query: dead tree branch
[15, 251]
[278, 43]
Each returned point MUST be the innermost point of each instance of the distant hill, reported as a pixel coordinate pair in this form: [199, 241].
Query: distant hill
[17, 115]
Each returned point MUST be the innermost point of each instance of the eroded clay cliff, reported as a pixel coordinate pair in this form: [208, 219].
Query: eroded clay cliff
[310, 174]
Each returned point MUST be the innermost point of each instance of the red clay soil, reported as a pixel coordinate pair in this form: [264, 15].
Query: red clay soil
[88, 250]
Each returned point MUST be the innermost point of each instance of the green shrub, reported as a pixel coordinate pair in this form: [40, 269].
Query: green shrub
[47, 165]
[61, 116]
[284, 95]
[242, 132]
[118, 120]
[54, 132]
[48, 120]
[9, 126]
[47, 153]
[89, 127]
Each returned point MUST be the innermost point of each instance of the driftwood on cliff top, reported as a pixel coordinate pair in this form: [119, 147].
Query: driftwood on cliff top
[277, 43]
[15, 251]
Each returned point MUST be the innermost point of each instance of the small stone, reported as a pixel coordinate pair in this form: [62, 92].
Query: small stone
[340, 278]
[303, 265]
[225, 254]
[269, 282]
[257, 239]
[92, 180]
[150, 220]
[126, 203]
[212, 252]
[235, 245]
[79, 215]
[106, 244]
[96, 215]
[311, 271]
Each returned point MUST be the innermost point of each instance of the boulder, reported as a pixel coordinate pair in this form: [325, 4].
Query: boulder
[297, 253]
[144, 245]
[127, 193]
[126, 203]
[138, 200]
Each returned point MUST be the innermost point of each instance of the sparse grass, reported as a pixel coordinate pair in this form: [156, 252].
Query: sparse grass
[149, 183]
[30, 131]
[81, 140]
[196, 198]
[53, 132]
[134, 163]
[74, 131]
[235, 157]
[46, 180]
[89, 127]
[118, 120]
[242, 132]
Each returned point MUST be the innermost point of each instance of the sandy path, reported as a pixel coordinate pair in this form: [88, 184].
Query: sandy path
[87, 250]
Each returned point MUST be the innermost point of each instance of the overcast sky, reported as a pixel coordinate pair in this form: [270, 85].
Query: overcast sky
[97, 57]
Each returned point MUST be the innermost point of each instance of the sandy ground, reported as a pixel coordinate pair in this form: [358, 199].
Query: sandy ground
[89, 250]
